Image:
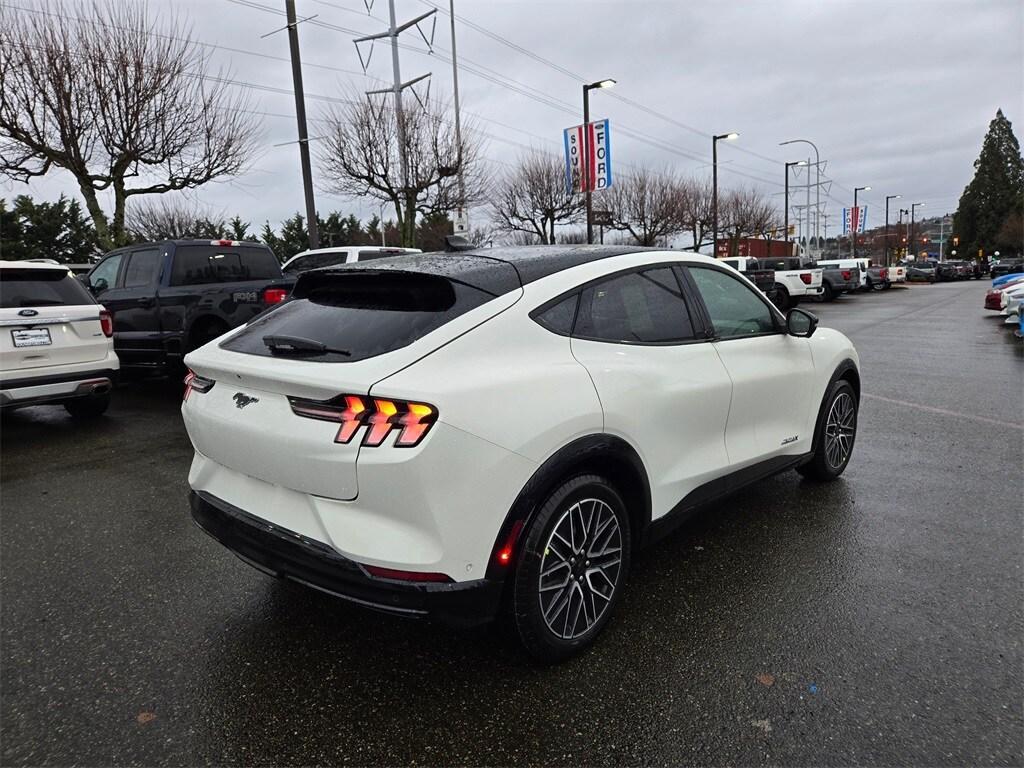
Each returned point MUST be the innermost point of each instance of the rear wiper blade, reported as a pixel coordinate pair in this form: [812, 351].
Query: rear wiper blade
[299, 345]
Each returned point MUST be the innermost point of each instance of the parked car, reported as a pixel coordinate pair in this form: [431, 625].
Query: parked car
[331, 257]
[56, 345]
[764, 279]
[173, 296]
[946, 271]
[1010, 277]
[920, 270]
[839, 277]
[796, 278]
[877, 278]
[1006, 267]
[603, 392]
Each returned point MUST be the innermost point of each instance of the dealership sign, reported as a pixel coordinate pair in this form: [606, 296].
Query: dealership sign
[859, 216]
[588, 165]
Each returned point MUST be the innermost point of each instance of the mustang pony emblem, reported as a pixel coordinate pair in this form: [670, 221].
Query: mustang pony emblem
[241, 399]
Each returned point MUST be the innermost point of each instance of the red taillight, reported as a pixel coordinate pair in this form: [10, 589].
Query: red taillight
[194, 383]
[379, 415]
[107, 323]
[225, 242]
[883, 273]
[847, 274]
[806, 277]
[396, 575]
[274, 295]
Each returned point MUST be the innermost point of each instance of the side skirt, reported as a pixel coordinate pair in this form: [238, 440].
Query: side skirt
[716, 489]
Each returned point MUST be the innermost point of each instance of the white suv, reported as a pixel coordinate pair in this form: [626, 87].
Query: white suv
[504, 428]
[56, 344]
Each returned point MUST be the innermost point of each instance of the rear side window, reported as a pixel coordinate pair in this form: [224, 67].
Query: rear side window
[315, 261]
[645, 307]
[368, 255]
[350, 316]
[41, 288]
[142, 268]
[559, 318]
[199, 264]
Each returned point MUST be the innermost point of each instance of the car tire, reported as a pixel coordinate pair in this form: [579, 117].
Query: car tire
[827, 293]
[556, 620]
[834, 434]
[886, 286]
[90, 407]
[781, 299]
[868, 285]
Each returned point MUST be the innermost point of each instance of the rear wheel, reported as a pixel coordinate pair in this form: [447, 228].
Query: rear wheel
[90, 407]
[781, 298]
[572, 568]
[828, 294]
[835, 433]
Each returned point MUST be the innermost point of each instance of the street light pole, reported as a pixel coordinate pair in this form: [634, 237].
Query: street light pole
[785, 215]
[913, 209]
[817, 188]
[714, 186]
[853, 230]
[300, 116]
[887, 199]
[588, 178]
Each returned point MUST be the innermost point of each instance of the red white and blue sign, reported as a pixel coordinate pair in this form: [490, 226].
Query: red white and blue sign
[859, 216]
[588, 164]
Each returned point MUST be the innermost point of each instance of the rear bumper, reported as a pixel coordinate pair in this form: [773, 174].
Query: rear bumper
[58, 388]
[286, 554]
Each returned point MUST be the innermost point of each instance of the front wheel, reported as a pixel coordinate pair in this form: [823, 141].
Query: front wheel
[834, 435]
[572, 568]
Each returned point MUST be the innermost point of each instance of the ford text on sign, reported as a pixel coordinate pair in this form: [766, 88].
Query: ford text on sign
[588, 165]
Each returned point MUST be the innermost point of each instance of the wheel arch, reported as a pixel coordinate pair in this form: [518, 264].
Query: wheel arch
[603, 454]
[201, 322]
[847, 371]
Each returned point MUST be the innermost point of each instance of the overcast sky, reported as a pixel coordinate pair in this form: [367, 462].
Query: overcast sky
[897, 94]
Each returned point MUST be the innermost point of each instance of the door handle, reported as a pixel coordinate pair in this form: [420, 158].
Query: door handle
[145, 302]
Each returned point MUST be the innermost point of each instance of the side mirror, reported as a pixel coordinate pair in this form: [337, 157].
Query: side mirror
[800, 323]
[97, 286]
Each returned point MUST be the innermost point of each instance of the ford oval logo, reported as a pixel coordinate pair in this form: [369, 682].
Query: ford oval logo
[28, 313]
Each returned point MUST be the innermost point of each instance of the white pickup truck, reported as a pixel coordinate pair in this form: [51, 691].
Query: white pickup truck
[795, 278]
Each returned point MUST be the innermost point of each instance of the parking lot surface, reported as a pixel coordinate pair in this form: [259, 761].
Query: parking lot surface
[876, 620]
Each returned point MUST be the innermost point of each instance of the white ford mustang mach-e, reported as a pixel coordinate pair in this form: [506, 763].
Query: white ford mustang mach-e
[457, 434]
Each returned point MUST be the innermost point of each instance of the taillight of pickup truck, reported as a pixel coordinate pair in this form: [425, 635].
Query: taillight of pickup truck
[806, 278]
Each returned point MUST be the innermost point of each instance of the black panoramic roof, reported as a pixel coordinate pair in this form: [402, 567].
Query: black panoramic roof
[495, 270]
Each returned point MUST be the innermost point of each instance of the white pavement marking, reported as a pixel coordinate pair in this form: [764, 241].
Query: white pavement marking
[944, 412]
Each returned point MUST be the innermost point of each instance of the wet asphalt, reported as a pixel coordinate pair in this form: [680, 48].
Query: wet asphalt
[876, 620]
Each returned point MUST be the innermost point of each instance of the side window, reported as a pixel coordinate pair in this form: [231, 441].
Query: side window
[736, 310]
[559, 317]
[142, 268]
[732, 263]
[646, 307]
[105, 275]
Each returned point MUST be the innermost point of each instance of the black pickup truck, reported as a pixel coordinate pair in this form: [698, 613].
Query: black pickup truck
[169, 297]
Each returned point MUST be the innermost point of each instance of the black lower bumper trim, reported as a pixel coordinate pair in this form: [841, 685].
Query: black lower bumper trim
[290, 555]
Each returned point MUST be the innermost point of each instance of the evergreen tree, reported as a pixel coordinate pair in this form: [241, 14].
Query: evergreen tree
[58, 230]
[238, 229]
[995, 193]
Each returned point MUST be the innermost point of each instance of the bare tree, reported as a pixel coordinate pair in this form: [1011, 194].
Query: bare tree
[648, 205]
[172, 219]
[531, 198]
[122, 109]
[360, 158]
[696, 212]
[747, 213]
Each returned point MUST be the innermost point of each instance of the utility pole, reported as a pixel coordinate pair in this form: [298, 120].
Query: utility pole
[887, 199]
[396, 89]
[817, 188]
[589, 177]
[807, 234]
[853, 229]
[300, 116]
[461, 214]
[714, 186]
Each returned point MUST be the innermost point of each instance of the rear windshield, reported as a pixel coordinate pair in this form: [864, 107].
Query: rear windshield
[41, 288]
[368, 255]
[356, 315]
[200, 264]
